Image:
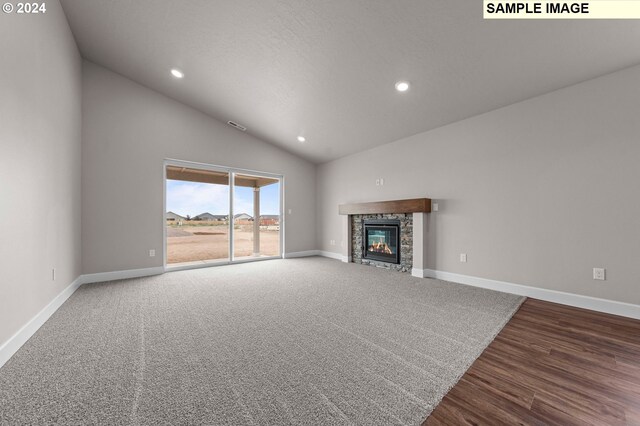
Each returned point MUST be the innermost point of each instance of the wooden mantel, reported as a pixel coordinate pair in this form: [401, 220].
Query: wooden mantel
[414, 205]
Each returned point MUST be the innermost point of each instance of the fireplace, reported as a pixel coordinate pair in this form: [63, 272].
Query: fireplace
[381, 240]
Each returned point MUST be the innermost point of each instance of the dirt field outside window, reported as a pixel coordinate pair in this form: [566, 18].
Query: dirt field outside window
[203, 241]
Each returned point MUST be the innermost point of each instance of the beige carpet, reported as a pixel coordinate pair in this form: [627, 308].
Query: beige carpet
[301, 341]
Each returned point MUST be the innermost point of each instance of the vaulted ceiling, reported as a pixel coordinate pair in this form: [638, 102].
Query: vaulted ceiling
[326, 69]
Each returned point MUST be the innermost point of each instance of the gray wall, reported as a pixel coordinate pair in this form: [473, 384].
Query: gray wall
[536, 193]
[40, 121]
[127, 132]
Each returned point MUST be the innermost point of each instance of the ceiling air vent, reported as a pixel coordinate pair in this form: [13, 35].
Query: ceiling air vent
[236, 125]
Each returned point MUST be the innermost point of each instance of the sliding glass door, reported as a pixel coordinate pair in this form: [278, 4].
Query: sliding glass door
[256, 216]
[197, 216]
[220, 215]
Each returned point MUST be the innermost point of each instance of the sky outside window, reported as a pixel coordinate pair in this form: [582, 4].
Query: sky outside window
[193, 198]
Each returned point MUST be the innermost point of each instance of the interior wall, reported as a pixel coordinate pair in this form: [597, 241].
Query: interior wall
[128, 130]
[537, 193]
[40, 121]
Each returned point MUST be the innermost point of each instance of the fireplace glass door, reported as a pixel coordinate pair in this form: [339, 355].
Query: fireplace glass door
[381, 241]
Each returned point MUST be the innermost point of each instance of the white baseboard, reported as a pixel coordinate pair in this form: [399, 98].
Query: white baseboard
[16, 341]
[587, 302]
[301, 254]
[121, 275]
[332, 255]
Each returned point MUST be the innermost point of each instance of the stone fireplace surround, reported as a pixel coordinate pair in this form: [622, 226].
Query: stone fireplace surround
[412, 216]
[405, 243]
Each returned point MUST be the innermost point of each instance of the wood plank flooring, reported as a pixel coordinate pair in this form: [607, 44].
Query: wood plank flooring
[551, 365]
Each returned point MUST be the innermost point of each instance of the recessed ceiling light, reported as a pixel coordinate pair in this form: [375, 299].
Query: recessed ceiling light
[402, 86]
[177, 73]
[301, 139]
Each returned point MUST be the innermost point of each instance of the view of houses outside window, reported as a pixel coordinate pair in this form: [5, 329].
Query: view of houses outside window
[197, 220]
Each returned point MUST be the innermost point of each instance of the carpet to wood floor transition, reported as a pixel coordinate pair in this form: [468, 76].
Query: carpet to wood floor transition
[551, 365]
[300, 341]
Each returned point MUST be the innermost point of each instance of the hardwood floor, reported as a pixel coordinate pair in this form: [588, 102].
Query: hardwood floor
[551, 364]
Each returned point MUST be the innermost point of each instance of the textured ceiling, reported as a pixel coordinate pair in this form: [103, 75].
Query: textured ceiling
[326, 69]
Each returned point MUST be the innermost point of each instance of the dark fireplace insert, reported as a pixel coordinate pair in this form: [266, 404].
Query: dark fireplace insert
[381, 240]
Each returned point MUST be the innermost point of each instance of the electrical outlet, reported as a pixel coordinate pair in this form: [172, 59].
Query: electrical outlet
[434, 207]
[599, 274]
[152, 253]
[377, 182]
[463, 257]
[53, 274]
[381, 181]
